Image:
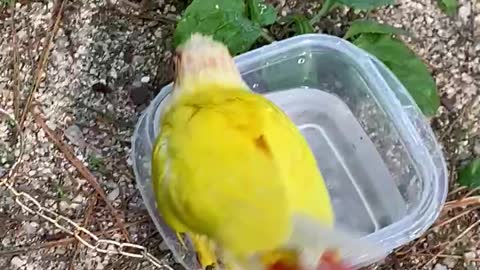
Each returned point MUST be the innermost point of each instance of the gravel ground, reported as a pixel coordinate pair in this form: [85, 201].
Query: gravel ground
[106, 63]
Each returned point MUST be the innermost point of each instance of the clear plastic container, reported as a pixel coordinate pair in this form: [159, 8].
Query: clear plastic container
[383, 166]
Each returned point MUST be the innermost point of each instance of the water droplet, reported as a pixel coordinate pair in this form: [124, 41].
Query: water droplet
[217, 7]
[301, 60]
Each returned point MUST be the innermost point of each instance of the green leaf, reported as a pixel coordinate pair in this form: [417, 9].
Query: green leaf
[328, 5]
[301, 24]
[469, 176]
[366, 4]
[448, 6]
[224, 20]
[6, 2]
[367, 26]
[408, 68]
[261, 12]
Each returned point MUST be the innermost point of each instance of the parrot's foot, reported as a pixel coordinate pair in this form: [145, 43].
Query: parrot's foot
[205, 251]
[180, 238]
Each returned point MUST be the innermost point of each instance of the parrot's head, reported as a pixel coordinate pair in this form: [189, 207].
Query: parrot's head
[202, 64]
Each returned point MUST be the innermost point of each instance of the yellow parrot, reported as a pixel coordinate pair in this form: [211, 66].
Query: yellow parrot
[229, 168]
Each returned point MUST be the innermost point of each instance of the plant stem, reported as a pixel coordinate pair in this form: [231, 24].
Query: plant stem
[267, 36]
[323, 11]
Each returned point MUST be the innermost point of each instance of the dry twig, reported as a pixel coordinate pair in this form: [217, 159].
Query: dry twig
[455, 191]
[462, 202]
[436, 225]
[461, 214]
[471, 227]
[16, 70]
[88, 215]
[70, 156]
[43, 61]
[447, 256]
[471, 192]
[51, 244]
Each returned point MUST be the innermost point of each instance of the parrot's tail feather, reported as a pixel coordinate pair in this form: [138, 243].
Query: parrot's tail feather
[316, 238]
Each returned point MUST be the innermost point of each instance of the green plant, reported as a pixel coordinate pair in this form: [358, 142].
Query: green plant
[301, 24]
[380, 40]
[242, 23]
[96, 163]
[469, 176]
[448, 6]
[230, 21]
[6, 2]
[355, 4]
[60, 192]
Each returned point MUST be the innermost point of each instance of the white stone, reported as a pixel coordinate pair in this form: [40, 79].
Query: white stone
[469, 255]
[145, 79]
[113, 194]
[464, 12]
[450, 262]
[30, 227]
[64, 206]
[75, 135]
[439, 266]
[17, 262]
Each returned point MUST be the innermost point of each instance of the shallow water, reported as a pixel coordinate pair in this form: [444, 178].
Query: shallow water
[363, 192]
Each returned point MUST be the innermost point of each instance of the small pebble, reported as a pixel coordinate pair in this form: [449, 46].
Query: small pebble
[60, 251]
[6, 242]
[476, 148]
[450, 262]
[439, 266]
[145, 79]
[51, 125]
[17, 262]
[470, 255]
[75, 135]
[64, 206]
[30, 227]
[113, 194]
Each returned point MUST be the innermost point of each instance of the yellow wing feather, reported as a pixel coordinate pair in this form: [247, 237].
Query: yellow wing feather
[222, 180]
